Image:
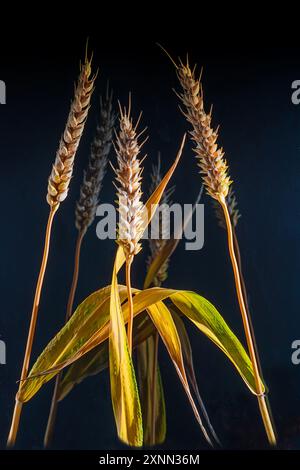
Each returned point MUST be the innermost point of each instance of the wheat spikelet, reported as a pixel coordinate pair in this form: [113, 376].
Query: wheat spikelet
[210, 157]
[62, 170]
[128, 177]
[232, 209]
[93, 176]
[157, 244]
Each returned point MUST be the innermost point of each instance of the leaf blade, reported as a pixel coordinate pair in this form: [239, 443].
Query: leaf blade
[123, 386]
[207, 319]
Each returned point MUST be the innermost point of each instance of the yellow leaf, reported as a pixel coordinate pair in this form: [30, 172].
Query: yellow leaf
[74, 340]
[124, 392]
[96, 360]
[165, 325]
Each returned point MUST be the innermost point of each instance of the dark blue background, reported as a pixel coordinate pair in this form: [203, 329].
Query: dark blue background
[249, 83]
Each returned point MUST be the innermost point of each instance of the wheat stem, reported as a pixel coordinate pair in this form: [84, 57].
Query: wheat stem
[54, 404]
[52, 414]
[84, 216]
[75, 275]
[247, 328]
[154, 394]
[130, 303]
[34, 314]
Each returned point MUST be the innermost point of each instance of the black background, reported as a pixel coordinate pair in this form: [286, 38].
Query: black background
[248, 71]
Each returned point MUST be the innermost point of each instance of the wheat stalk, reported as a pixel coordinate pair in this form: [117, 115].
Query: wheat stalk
[129, 192]
[58, 185]
[233, 210]
[213, 168]
[85, 212]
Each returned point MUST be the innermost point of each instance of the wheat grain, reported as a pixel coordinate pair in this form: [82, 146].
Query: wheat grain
[59, 180]
[93, 176]
[128, 177]
[210, 157]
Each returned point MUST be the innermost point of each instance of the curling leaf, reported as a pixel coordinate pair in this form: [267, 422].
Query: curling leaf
[206, 317]
[189, 366]
[195, 307]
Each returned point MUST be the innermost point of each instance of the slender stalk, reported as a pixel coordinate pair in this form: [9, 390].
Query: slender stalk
[245, 296]
[54, 404]
[130, 303]
[244, 290]
[260, 392]
[34, 315]
[75, 276]
[154, 398]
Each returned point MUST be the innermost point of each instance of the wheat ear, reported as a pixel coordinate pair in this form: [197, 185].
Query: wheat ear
[129, 192]
[213, 168]
[58, 185]
[85, 213]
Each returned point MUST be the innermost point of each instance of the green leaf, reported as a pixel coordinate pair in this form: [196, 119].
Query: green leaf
[206, 317]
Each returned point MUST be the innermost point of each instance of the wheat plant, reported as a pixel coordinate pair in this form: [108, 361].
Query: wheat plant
[214, 171]
[85, 213]
[58, 186]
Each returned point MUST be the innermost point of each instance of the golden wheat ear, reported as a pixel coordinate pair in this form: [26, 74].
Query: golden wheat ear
[210, 156]
[129, 193]
[58, 186]
[214, 170]
[62, 170]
